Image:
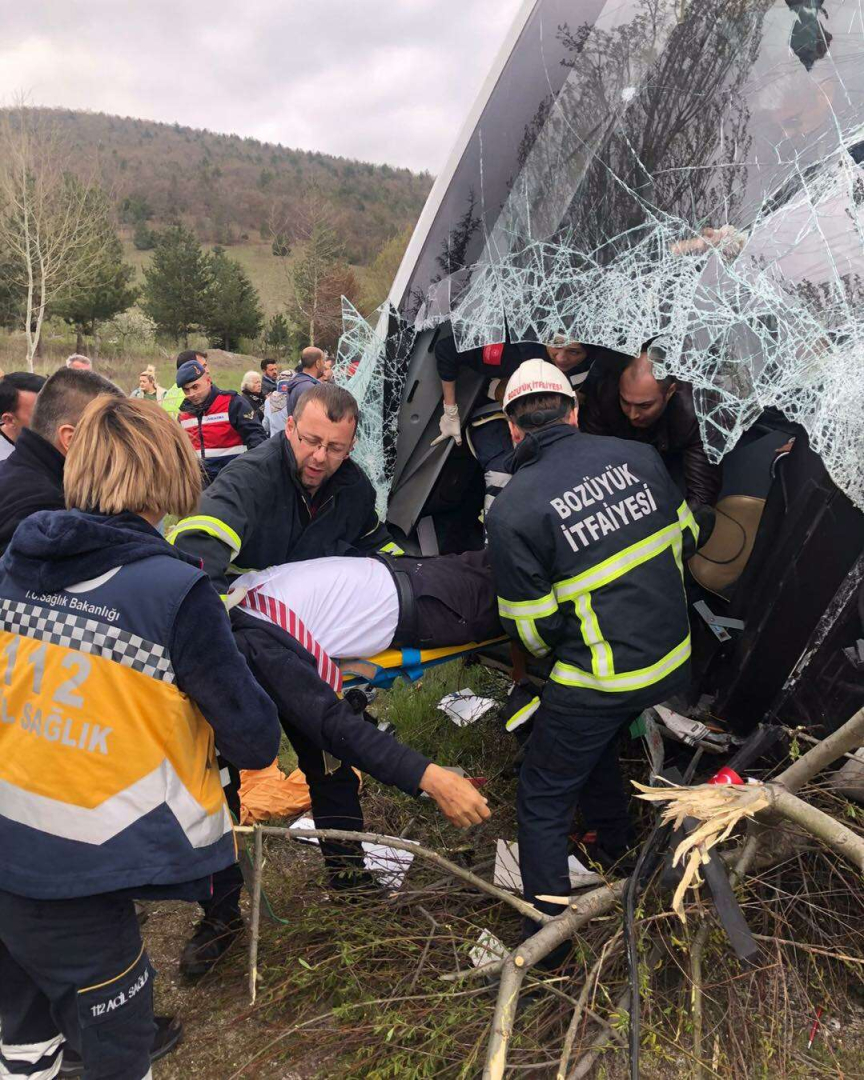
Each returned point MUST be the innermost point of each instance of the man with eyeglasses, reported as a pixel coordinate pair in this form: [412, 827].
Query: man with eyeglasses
[295, 497]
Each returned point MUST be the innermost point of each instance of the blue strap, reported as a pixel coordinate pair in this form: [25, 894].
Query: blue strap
[412, 665]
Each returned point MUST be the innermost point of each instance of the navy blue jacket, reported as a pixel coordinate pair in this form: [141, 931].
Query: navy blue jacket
[112, 684]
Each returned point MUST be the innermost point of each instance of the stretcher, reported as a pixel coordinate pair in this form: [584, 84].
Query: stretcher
[384, 668]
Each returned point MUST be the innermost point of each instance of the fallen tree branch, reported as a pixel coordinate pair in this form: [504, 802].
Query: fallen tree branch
[844, 740]
[522, 906]
[562, 928]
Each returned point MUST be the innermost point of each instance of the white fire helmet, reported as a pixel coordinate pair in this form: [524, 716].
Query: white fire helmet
[536, 377]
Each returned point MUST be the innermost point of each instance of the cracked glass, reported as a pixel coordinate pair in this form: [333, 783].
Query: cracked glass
[687, 172]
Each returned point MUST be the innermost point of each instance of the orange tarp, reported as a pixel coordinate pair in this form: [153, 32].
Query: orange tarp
[269, 793]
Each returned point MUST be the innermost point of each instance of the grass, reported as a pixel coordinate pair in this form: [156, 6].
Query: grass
[354, 990]
[268, 273]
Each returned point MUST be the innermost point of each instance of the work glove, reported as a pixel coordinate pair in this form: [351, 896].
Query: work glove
[449, 426]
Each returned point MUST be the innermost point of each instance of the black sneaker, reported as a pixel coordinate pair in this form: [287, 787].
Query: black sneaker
[211, 940]
[169, 1034]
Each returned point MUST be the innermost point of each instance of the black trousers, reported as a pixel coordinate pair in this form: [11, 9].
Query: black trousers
[452, 599]
[571, 761]
[335, 805]
[74, 971]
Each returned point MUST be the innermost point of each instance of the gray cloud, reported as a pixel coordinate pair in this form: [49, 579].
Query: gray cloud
[380, 80]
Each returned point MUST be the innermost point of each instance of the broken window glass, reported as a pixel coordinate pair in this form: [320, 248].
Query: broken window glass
[687, 171]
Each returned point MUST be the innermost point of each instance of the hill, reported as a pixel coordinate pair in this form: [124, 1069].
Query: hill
[229, 189]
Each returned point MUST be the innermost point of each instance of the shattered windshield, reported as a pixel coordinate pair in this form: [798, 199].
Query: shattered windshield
[688, 172]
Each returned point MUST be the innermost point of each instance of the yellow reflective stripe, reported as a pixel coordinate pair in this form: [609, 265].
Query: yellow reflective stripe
[617, 565]
[567, 675]
[391, 549]
[687, 521]
[524, 714]
[529, 636]
[210, 525]
[601, 652]
[520, 609]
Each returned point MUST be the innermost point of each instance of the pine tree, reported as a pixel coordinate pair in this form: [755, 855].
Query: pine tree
[105, 287]
[177, 284]
[279, 335]
[234, 309]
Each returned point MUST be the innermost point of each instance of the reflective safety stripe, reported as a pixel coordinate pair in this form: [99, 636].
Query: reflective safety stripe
[161, 787]
[223, 451]
[48, 1073]
[530, 637]
[521, 609]
[618, 565]
[523, 715]
[30, 1052]
[567, 675]
[687, 521]
[601, 651]
[391, 549]
[210, 525]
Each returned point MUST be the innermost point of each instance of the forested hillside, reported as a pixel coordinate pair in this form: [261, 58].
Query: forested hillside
[229, 189]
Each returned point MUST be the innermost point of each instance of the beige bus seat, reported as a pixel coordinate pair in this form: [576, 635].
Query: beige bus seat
[719, 562]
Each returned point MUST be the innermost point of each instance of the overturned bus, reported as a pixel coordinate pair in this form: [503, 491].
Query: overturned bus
[686, 173]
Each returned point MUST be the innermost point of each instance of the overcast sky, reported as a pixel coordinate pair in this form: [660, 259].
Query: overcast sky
[379, 80]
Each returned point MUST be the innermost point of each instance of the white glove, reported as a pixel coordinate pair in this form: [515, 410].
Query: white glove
[449, 426]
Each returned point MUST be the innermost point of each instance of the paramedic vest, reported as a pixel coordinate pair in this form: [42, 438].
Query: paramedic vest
[108, 776]
[214, 437]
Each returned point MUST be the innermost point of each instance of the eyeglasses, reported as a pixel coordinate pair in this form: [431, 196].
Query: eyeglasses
[332, 450]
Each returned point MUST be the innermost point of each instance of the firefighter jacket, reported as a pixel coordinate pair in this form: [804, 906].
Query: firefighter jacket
[256, 514]
[587, 544]
[222, 427]
[108, 776]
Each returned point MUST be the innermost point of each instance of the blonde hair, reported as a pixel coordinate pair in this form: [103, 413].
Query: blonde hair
[127, 456]
[148, 374]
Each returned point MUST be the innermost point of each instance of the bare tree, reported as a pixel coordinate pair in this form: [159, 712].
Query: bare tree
[46, 216]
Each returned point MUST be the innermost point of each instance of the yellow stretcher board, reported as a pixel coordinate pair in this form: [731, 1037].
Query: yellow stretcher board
[385, 667]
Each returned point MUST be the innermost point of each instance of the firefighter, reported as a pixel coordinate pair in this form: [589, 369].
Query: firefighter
[587, 544]
[220, 423]
[298, 496]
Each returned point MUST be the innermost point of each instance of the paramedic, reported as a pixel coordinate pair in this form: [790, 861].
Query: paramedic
[586, 544]
[110, 789]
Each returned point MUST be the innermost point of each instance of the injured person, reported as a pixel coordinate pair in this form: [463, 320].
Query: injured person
[358, 607]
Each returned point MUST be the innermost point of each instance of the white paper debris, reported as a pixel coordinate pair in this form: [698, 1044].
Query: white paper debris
[389, 865]
[464, 706]
[487, 949]
[305, 822]
[508, 876]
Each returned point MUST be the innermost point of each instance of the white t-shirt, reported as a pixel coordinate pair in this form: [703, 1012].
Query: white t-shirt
[6, 447]
[350, 606]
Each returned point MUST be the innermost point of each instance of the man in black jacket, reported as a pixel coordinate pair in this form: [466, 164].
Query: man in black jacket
[587, 544]
[297, 496]
[630, 403]
[499, 362]
[31, 478]
[18, 392]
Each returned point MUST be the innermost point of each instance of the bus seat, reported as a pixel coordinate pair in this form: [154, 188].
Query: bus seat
[719, 562]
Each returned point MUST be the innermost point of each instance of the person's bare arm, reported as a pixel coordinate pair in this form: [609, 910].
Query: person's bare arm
[457, 798]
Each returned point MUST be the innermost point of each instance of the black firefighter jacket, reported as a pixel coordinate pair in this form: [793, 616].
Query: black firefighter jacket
[255, 514]
[307, 704]
[587, 544]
